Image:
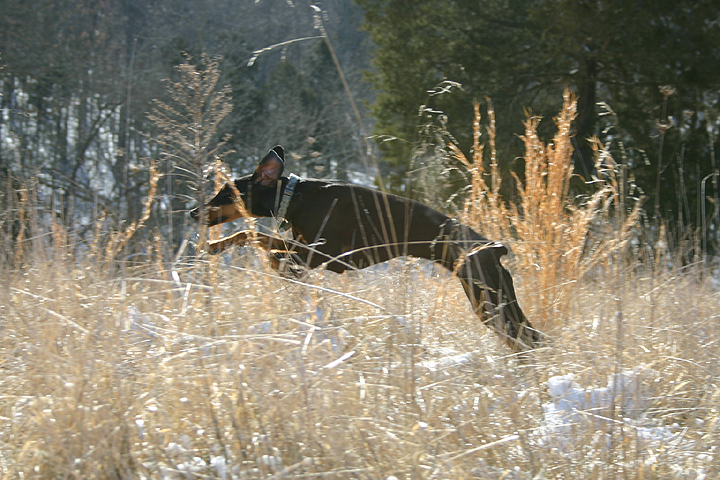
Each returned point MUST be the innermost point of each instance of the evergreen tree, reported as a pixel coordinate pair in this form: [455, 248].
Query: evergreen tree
[522, 53]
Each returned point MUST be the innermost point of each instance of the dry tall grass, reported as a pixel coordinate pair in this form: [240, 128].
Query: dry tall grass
[556, 237]
[379, 374]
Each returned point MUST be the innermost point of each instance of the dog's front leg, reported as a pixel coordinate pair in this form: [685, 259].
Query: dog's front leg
[241, 238]
[217, 246]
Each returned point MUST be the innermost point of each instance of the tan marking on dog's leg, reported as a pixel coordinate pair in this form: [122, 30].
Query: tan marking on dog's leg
[243, 237]
[218, 246]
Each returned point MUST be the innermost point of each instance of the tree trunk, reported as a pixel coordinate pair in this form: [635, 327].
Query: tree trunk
[586, 121]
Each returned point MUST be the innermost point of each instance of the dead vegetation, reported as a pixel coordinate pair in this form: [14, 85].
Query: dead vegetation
[185, 369]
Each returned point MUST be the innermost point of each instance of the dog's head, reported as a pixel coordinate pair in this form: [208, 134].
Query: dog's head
[258, 192]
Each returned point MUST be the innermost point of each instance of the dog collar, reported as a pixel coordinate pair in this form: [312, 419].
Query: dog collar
[287, 195]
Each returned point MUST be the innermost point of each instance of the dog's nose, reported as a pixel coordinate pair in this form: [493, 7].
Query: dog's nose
[195, 213]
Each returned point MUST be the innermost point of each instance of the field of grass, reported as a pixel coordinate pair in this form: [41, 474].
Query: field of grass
[223, 369]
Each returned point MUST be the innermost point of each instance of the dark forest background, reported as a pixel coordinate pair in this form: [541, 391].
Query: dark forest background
[81, 83]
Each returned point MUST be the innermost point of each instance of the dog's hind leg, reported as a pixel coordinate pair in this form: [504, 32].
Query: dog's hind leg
[490, 289]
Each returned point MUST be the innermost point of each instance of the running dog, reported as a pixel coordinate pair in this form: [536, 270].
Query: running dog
[341, 226]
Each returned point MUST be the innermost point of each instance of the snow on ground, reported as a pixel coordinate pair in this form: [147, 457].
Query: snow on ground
[618, 405]
[573, 411]
[621, 401]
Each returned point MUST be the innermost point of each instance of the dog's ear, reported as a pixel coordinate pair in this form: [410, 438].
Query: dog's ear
[279, 151]
[270, 167]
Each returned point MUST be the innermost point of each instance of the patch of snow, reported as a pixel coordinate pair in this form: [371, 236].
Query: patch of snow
[622, 400]
[447, 362]
[621, 404]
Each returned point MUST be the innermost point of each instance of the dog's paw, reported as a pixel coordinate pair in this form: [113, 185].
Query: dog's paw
[215, 247]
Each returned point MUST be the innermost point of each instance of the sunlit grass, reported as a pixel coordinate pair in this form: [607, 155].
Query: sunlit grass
[226, 370]
[134, 377]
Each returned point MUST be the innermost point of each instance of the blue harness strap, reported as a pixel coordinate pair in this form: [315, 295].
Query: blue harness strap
[287, 195]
